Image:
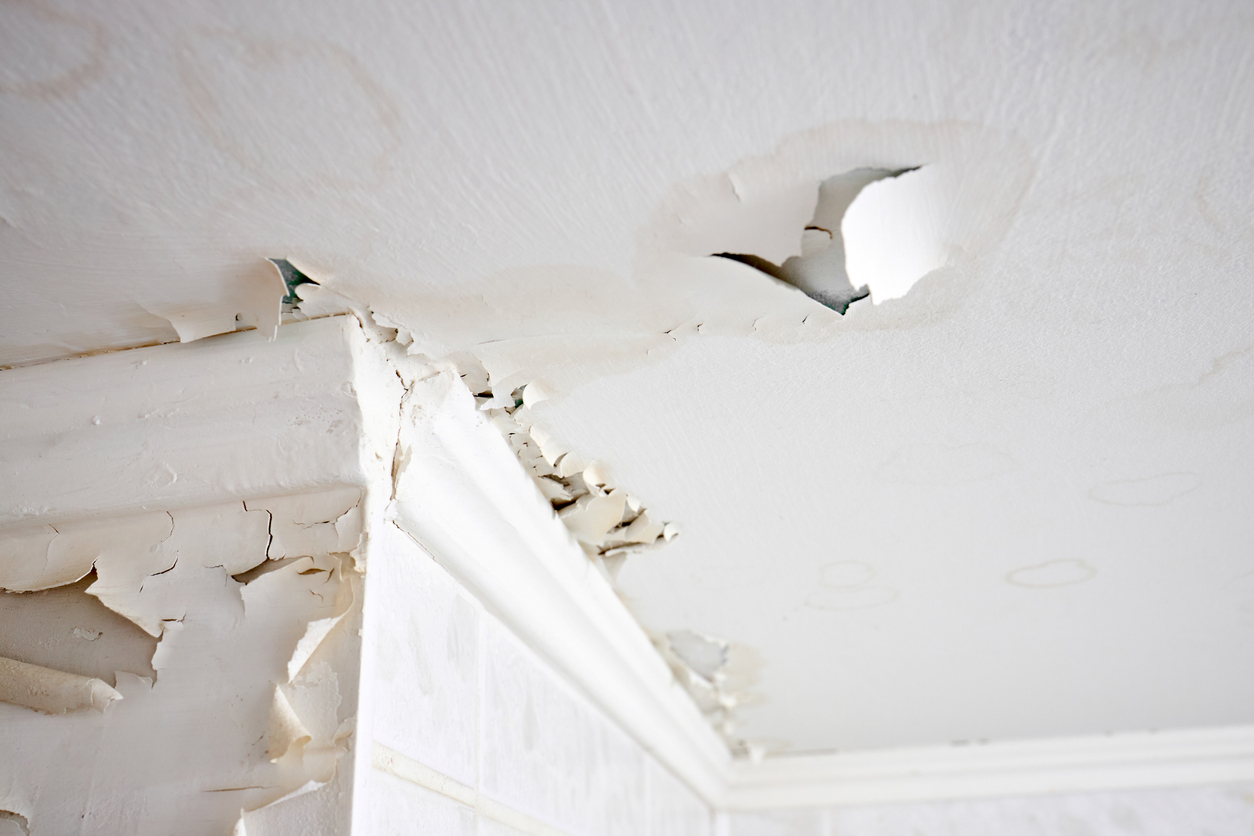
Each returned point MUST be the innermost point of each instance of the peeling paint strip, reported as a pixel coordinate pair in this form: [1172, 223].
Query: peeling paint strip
[607, 522]
[286, 729]
[49, 691]
[407, 769]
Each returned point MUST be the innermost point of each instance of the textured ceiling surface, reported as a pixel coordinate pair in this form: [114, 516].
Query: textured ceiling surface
[1014, 502]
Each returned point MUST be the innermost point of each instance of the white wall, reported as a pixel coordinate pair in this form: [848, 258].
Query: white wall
[474, 733]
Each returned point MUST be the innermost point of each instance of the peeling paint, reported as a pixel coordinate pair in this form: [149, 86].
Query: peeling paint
[820, 271]
[607, 522]
[248, 647]
[66, 629]
[51, 691]
[259, 306]
[719, 675]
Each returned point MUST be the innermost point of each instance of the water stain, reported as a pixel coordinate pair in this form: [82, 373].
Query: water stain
[1151, 490]
[1219, 397]
[846, 574]
[46, 53]
[844, 585]
[264, 102]
[1052, 573]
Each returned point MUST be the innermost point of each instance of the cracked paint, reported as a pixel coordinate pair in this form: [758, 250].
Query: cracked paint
[608, 523]
[238, 635]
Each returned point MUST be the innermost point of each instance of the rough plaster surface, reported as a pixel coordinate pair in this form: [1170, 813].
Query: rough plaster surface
[1049, 434]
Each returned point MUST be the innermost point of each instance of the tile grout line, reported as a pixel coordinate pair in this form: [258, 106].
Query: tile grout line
[401, 766]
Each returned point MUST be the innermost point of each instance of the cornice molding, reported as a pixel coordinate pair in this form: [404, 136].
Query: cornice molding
[1019, 767]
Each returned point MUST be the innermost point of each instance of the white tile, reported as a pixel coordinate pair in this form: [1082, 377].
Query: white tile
[425, 686]
[395, 807]
[546, 752]
[1181, 811]
[673, 808]
[778, 823]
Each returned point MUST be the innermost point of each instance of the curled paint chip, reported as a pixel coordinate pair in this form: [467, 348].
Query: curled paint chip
[286, 731]
[50, 691]
[608, 523]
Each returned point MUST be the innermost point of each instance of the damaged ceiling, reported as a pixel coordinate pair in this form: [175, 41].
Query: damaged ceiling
[1008, 499]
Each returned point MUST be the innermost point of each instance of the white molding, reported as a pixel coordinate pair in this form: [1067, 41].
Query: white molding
[1026, 767]
[463, 495]
[173, 426]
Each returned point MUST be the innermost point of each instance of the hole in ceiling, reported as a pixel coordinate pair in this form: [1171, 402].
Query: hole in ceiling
[292, 278]
[875, 232]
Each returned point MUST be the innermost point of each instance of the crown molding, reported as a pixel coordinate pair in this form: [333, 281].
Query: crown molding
[1174, 757]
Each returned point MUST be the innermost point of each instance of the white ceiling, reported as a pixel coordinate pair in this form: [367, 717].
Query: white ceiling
[1015, 502]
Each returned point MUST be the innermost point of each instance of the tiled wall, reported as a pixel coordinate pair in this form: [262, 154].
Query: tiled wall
[474, 734]
[1183, 811]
